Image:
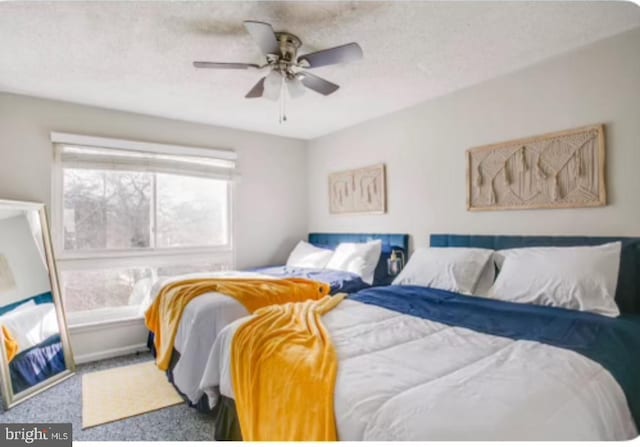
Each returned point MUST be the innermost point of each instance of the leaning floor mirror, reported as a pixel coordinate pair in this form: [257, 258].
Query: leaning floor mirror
[34, 343]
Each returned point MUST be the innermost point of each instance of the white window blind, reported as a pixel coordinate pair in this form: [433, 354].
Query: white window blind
[103, 153]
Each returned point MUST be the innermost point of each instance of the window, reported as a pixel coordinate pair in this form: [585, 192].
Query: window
[126, 214]
[108, 210]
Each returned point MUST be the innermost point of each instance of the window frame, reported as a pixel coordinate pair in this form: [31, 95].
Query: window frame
[93, 259]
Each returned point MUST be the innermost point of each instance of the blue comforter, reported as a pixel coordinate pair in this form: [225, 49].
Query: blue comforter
[37, 364]
[341, 282]
[612, 342]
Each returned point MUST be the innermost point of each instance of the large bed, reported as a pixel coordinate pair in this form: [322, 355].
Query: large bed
[418, 363]
[205, 316]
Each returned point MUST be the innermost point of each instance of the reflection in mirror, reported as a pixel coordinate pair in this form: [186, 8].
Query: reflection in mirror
[34, 341]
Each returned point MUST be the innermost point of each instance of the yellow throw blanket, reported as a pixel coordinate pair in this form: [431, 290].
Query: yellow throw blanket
[164, 315]
[284, 373]
[10, 344]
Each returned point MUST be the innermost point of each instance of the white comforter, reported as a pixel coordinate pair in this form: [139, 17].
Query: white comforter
[202, 320]
[406, 378]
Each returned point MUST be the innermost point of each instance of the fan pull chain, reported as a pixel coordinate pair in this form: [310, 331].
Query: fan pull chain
[283, 94]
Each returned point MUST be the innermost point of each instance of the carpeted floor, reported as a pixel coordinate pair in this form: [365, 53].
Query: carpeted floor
[63, 403]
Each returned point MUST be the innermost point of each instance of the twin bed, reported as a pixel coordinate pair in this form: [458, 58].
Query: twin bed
[206, 316]
[420, 363]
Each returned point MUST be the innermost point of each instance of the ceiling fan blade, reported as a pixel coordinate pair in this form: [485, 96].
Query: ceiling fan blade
[264, 36]
[224, 65]
[318, 84]
[257, 90]
[344, 53]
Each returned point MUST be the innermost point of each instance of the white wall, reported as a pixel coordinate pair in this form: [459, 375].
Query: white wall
[423, 148]
[270, 213]
[19, 248]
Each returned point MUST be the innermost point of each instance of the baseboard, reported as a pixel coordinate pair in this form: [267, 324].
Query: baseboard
[91, 342]
[110, 353]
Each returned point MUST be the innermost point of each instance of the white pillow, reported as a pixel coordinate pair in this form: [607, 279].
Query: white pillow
[486, 279]
[457, 269]
[580, 278]
[305, 255]
[360, 259]
[32, 325]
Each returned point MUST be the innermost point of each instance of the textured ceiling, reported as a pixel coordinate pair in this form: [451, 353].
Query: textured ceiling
[137, 56]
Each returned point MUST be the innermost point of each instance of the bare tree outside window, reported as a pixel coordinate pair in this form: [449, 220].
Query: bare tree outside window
[106, 210]
[192, 211]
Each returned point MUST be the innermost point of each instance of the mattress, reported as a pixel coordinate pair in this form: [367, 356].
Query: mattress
[205, 316]
[469, 372]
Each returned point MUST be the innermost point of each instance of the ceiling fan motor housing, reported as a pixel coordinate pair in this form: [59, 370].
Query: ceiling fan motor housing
[285, 62]
[289, 45]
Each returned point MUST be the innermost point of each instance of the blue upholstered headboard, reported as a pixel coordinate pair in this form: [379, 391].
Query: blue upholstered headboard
[38, 299]
[628, 291]
[389, 242]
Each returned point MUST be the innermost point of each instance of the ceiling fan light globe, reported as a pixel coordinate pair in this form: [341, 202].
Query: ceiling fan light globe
[272, 86]
[296, 88]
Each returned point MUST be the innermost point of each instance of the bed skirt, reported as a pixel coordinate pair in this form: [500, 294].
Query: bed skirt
[203, 404]
[227, 423]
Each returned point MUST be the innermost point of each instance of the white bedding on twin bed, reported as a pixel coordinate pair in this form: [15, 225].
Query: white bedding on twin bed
[406, 378]
[202, 320]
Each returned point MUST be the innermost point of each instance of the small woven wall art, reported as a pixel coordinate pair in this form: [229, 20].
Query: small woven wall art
[358, 191]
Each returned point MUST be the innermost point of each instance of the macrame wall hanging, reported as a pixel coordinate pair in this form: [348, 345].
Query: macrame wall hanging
[358, 191]
[558, 170]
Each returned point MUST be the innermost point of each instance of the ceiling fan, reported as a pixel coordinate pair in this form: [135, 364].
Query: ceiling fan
[287, 69]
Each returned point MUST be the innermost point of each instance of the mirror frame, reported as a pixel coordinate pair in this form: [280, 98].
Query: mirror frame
[11, 399]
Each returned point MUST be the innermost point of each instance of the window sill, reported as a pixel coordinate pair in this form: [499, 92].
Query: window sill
[112, 317]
